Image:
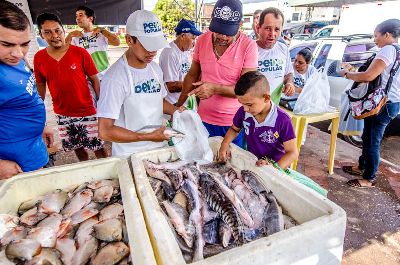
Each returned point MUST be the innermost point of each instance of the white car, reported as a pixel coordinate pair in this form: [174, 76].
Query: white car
[328, 52]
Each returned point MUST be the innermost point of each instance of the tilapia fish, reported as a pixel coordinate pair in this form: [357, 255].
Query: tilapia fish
[218, 203]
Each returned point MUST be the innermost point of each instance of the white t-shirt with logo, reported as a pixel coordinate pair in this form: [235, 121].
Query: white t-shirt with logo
[133, 102]
[97, 46]
[301, 79]
[274, 64]
[175, 64]
[388, 55]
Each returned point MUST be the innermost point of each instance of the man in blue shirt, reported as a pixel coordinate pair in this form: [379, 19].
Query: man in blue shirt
[22, 112]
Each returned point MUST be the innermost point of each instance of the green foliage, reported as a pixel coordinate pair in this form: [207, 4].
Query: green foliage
[171, 12]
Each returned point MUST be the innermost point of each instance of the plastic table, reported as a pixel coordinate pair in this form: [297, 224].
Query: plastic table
[300, 122]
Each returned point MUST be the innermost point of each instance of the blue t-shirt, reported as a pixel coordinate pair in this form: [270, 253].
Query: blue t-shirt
[22, 118]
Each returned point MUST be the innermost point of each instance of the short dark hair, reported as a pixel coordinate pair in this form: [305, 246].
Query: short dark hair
[47, 17]
[12, 17]
[258, 11]
[271, 10]
[391, 26]
[306, 53]
[249, 80]
[88, 11]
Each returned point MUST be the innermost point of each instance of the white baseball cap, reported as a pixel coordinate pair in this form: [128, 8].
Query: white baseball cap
[146, 26]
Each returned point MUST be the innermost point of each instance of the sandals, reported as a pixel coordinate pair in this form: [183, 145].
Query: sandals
[360, 183]
[352, 170]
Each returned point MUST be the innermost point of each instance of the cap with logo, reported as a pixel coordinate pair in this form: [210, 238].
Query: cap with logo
[187, 26]
[146, 26]
[226, 17]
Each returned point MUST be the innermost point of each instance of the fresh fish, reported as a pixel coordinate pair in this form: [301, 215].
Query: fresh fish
[67, 248]
[77, 202]
[83, 215]
[111, 254]
[104, 182]
[65, 228]
[237, 203]
[167, 165]
[168, 190]
[179, 218]
[210, 232]
[7, 222]
[47, 256]
[24, 249]
[76, 189]
[85, 251]
[125, 236]
[4, 260]
[208, 214]
[27, 205]
[252, 234]
[273, 218]
[85, 230]
[32, 217]
[253, 180]
[108, 230]
[220, 204]
[111, 211]
[217, 167]
[225, 234]
[175, 176]
[14, 234]
[53, 221]
[53, 202]
[95, 205]
[155, 172]
[46, 236]
[181, 243]
[181, 199]
[103, 194]
[195, 217]
[125, 261]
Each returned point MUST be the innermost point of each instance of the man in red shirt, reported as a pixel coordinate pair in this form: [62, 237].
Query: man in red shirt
[64, 69]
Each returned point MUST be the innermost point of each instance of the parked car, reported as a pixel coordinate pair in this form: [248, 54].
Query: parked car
[328, 52]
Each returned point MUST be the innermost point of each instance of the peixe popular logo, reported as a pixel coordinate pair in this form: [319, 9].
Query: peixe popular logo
[151, 27]
[148, 87]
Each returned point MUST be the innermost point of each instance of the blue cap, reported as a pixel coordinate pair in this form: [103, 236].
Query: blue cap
[226, 17]
[187, 26]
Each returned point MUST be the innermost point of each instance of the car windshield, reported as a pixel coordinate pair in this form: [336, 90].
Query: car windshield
[295, 50]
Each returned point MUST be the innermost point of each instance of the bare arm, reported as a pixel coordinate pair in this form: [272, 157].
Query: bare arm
[191, 77]
[231, 134]
[96, 85]
[288, 79]
[168, 108]
[291, 153]
[174, 86]
[376, 68]
[110, 132]
[41, 87]
[112, 38]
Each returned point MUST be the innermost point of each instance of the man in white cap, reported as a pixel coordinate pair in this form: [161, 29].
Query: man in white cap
[175, 61]
[133, 91]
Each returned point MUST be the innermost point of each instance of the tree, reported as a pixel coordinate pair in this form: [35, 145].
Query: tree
[171, 12]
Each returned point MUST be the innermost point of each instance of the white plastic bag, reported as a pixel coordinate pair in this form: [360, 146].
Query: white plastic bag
[314, 99]
[194, 146]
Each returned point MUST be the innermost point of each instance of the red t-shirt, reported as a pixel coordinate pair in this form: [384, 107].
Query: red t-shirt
[66, 80]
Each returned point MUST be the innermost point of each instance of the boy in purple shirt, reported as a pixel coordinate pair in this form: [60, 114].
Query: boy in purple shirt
[268, 129]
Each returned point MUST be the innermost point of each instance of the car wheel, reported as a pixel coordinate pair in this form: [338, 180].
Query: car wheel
[354, 140]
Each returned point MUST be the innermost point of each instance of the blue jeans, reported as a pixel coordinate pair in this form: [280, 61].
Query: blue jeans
[374, 128]
[216, 130]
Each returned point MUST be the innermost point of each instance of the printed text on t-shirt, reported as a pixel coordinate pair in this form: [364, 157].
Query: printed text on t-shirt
[149, 86]
[271, 65]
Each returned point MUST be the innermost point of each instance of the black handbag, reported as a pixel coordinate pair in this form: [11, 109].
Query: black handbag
[288, 103]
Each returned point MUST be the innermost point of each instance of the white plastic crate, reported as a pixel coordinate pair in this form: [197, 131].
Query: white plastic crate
[318, 239]
[28, 186]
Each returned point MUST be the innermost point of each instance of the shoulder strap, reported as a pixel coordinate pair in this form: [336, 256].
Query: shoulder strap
[394, 69]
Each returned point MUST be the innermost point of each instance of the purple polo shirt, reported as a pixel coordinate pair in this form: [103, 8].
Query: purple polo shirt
[266, 138]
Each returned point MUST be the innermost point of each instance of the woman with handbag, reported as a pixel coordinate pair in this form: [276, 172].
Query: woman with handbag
[385, 65]
[302, 71]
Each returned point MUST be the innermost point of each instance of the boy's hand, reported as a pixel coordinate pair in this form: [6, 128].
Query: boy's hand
[262, 162]
[224, 153]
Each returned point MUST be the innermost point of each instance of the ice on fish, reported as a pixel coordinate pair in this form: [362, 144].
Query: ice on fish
[46, 236]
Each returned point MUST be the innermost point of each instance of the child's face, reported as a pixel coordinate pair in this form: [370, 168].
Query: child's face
[254, 104]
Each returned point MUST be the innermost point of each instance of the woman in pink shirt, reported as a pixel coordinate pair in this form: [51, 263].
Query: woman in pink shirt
[220, 57]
